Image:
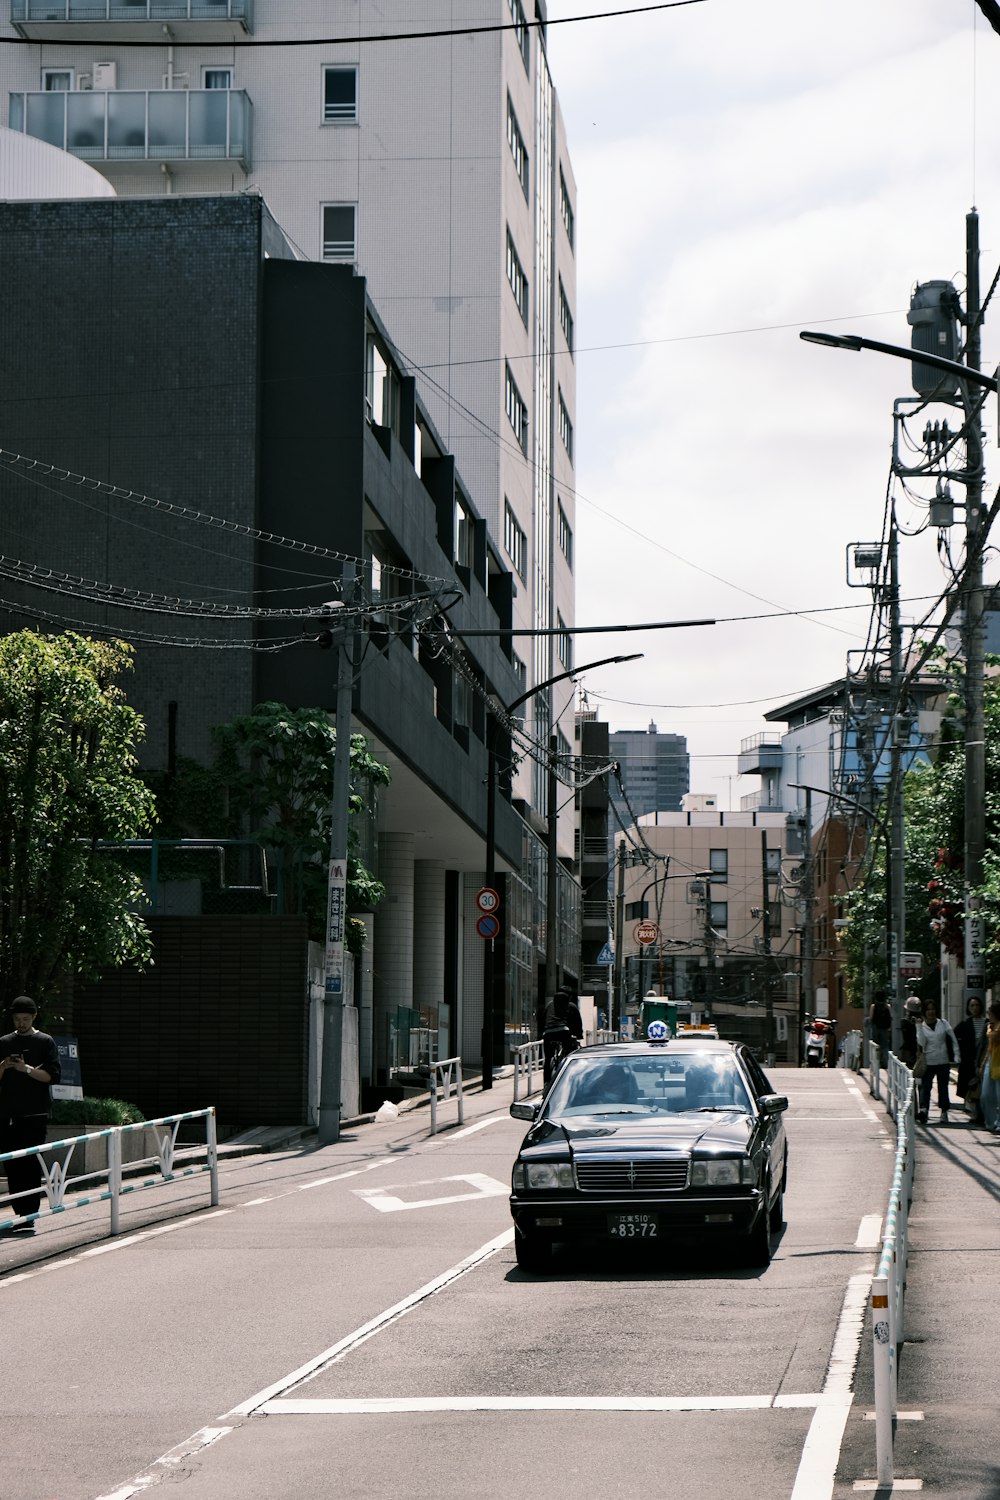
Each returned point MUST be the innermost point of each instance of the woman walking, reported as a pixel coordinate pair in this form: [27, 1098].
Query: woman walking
[969, 1035]
[989, 1089]
[937, 1041]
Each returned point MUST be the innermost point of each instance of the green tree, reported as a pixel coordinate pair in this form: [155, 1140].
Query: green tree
[271, 780]
[934, 822]
[67, 784]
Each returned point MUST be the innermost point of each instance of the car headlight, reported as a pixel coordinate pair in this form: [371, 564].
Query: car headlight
[729, 1172]
[543, 1175]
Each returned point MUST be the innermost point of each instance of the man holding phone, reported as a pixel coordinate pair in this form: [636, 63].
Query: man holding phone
[29, 1062]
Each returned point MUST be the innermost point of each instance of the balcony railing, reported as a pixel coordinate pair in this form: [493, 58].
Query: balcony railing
[761, 752]
[118, 20]
[123, 128]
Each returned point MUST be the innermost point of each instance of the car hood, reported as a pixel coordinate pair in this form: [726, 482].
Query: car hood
[588, 1135]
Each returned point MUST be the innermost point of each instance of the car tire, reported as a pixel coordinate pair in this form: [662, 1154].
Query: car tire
[533, 1254]
[758, 1249]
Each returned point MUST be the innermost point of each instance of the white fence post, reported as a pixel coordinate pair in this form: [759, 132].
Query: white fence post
[115, 1176]
[881, 1334]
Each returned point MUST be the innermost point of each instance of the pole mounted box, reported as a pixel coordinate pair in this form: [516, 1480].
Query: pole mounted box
[934, 316]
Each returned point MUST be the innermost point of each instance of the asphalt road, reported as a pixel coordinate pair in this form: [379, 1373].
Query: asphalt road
[351, 1322]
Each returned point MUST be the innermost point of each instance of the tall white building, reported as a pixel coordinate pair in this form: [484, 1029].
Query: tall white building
[420, 140]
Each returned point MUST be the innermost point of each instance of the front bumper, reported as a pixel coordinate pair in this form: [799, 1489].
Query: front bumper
[561, 1217]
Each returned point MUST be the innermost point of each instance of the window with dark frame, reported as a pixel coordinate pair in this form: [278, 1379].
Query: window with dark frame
[521, 33]
[518, 150]
[565, 427]
[565, 317]
[517, 279]
[517, 412]
[565, 536]
[718, 863]
[339, 231]
[340, 96]
[566, 209]
[515, 540]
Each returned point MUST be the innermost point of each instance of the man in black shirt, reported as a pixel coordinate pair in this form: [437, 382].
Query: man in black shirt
[29, 1062]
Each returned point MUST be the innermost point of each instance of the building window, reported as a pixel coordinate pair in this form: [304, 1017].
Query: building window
[718, 915]
[57, 80]
[565, 427]
[520, 670]
[517, 412]
[565, 536]
[515, 541]
[564, 642]
[217, 78]
[521, 32]
[518, 150]
[340, 96]
[718, 863]
[518, 280]
[566, 208]
[565, 317]
[339, 231]
[381, 387]
[463, 535]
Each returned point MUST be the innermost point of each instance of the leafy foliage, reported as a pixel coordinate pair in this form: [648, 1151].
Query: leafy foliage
[934, 820]
[272, 779]
[67, 783]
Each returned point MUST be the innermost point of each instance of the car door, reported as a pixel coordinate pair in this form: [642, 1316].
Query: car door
[772, 1126]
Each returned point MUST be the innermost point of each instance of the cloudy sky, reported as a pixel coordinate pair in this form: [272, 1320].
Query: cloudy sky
[746, 170]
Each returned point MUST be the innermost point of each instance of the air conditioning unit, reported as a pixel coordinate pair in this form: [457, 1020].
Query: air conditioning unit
[105, 76]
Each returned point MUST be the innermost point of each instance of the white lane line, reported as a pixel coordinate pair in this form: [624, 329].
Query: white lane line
[381, 1406]
[869, 1232]
[872, 1485]
[818, 1465]
[171, 1460]
[373, 1326]
[457, 1135]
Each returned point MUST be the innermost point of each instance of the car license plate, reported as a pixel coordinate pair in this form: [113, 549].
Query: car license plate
[633, 1226]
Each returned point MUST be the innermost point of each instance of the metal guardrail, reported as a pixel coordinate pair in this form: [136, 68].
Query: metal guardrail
[57, 1181]
[529, 1059]
[888, 1287]
[449, 1073]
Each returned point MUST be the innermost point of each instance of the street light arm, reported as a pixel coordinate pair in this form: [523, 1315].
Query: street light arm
[854, 342]
[571, 672]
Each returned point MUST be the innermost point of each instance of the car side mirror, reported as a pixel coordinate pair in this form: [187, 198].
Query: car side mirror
[772, 1104]
[525, 1111]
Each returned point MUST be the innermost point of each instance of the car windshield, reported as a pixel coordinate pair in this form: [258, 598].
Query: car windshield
[648, 1084]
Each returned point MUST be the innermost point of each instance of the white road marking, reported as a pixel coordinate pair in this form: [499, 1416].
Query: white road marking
[383, 1199]
[869, 1232]
[381, 1406]
[361, 1335]
[818, 1465]
[198, 1217]
[871, 1485]
[457, 1135]
[901, 1416]
[197, 1443]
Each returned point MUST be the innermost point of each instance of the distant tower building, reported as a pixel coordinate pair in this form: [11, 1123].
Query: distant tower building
[655, 771]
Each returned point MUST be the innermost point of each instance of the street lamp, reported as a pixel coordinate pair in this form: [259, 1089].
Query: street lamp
[489, 1008]
[854, 342]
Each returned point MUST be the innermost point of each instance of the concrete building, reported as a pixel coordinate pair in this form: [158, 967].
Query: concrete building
[178, 344]
[655, 772]
[706, 880]
[436, 164]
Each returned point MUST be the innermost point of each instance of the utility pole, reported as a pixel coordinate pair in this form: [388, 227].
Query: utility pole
[336, 910]
[975, 730]
[620, 942]
[552, 876]
[897, 848]
[766, 933]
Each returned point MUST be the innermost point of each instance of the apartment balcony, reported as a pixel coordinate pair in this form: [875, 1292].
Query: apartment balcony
[124, 130]
[759, 802]
[166, 21]
[761, 752]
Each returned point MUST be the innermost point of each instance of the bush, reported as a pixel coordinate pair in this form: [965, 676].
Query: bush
[81, 1112]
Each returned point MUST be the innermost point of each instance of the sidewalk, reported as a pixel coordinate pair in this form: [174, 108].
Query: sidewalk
[947, 1436]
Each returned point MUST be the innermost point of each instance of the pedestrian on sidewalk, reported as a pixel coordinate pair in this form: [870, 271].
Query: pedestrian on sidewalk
[989, 1088]
[913, 1009]
[29, 1062]
[970, 1035]
[880, 1027]
[937, 1041]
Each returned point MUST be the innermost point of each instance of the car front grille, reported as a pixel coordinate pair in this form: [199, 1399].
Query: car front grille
[659, 1175]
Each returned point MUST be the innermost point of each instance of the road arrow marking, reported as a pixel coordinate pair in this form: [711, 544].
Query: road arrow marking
[383, 1199]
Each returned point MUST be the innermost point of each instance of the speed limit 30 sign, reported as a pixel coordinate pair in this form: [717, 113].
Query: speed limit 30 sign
[487, 900]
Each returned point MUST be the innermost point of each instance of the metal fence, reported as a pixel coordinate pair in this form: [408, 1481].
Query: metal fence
[106, 1182]
[445, 1076]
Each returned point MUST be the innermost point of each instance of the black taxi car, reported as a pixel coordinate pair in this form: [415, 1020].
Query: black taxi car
[652, 1141]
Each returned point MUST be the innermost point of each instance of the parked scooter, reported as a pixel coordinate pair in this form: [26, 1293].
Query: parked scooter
[820, 1043]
